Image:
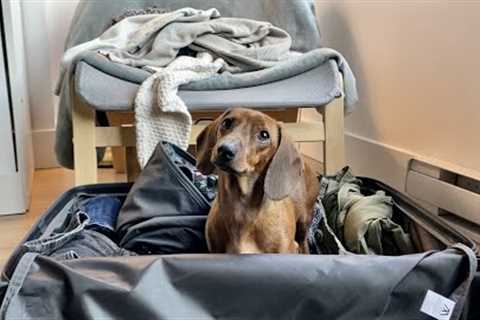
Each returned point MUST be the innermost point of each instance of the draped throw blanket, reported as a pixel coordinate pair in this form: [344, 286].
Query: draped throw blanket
[156, 39]
[159, 113]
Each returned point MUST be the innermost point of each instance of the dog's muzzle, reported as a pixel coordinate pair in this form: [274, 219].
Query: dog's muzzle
[226, 153]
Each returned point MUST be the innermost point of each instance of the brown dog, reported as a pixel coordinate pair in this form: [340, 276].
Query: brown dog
[266, 192]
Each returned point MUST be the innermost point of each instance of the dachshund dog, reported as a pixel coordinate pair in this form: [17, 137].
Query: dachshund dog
[266, 192]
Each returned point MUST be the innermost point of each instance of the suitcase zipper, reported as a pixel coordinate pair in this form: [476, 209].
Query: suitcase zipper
[187, 184]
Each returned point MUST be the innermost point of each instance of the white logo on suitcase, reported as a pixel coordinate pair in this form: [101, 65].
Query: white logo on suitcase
[437, 306]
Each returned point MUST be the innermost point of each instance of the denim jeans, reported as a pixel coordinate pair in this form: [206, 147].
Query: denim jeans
[102, 211]
[79, 236]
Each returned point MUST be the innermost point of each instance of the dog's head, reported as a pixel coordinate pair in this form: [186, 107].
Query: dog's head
[245, 142]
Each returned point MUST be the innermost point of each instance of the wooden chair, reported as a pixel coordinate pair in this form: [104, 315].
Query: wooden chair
[99, 85]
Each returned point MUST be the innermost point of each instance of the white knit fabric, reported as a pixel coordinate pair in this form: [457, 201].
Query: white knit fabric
[160, 114]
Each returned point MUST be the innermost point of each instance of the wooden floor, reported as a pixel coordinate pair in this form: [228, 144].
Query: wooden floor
[48, 185]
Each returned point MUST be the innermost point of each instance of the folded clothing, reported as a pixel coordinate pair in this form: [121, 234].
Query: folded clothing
[102, 212]
[88, 231]
[358, 221]
[321, 238]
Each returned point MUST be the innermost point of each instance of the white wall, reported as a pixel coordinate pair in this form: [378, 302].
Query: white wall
[417, 66]
[46, 25]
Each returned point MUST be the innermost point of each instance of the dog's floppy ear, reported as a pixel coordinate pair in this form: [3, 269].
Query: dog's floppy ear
[206, 140]
[285, 170]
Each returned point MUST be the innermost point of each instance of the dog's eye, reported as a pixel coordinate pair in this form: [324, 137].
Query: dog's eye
[227, 123]
[263, 135]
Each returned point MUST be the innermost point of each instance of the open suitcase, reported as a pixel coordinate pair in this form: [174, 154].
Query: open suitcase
[172, 276]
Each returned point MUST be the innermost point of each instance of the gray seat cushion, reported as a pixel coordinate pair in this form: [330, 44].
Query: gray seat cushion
[313, 88]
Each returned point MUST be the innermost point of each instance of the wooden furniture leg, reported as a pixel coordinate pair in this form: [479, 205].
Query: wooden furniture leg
[132, 166]
[334, 143]
[118, 153]
[84, 151]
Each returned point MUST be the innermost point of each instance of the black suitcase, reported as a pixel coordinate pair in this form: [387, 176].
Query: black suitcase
[181, 281]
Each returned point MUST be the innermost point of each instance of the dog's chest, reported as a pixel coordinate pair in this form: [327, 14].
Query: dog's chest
[269, 228]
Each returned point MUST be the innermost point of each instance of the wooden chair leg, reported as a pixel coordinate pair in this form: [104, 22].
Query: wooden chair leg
[334, 150]
[132, 166]
[118, 153]
[85, 154]
[119, 159]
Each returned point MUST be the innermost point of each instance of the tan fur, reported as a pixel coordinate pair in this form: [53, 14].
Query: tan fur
[256, 212]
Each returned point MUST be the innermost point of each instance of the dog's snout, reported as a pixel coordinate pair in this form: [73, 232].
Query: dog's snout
[226, 152]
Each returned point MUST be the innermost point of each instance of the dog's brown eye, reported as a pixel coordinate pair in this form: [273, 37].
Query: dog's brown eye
[263, 135]
[227, 123]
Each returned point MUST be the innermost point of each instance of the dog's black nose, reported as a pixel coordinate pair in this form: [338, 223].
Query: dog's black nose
[226, 152]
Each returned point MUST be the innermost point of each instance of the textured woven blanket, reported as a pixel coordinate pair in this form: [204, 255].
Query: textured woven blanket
[160, 114]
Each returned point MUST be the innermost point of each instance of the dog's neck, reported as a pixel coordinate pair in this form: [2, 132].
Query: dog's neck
[245, 190]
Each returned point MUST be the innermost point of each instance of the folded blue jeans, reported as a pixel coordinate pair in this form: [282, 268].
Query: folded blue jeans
[76, 241]
[102, 210]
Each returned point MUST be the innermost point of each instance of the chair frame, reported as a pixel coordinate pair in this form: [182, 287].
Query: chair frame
[87, 136]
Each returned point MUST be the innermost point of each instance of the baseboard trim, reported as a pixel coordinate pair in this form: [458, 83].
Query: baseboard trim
[371, 158]
[44, 148]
